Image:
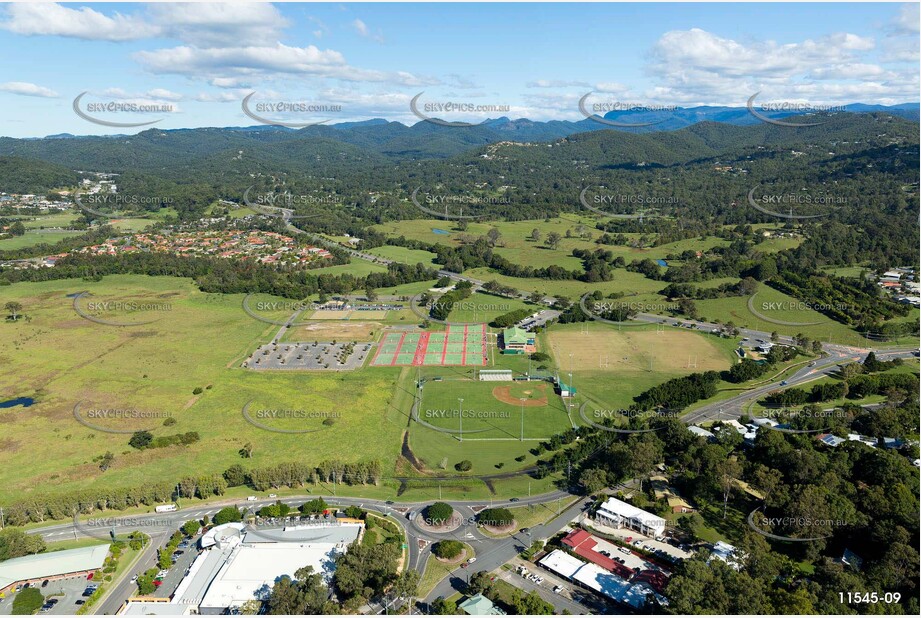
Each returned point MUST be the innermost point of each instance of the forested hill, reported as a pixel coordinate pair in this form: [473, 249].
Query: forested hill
[29, 176]
[385, 142]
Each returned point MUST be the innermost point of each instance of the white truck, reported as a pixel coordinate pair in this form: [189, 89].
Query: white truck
[166, 508]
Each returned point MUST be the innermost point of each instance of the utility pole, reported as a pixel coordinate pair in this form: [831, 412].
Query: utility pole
[460, 416]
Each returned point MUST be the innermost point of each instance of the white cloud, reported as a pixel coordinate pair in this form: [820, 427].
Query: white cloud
[209, 24]
[81, 23]
[698, 67]
[28, 89]
[557, 83]
[362, 29]
[909, 19]
[220, 65]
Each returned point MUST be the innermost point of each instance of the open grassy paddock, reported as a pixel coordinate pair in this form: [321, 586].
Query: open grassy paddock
[634, 349]
[603, 377]
[62, 359]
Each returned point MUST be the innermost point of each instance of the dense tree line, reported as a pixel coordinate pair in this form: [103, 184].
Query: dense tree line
[294, 474]
[222, 276]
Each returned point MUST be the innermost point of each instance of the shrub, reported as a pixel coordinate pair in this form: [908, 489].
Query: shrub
[498, 517]
[198, 390]
[448, 550]
[439, 512]
[463, 466]
[27, 602]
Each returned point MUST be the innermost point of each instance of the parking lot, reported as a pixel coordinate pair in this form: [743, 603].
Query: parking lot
[67, 591]
[319, 356]
[540, 319]
[177, 572]
[639, 541]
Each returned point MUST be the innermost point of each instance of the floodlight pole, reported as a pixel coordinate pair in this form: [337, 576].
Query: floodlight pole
[460, 416]
[522, 419]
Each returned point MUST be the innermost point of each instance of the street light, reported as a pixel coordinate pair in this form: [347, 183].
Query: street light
[460, 416]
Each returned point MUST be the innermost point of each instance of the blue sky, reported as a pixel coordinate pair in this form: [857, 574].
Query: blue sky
[200, 59]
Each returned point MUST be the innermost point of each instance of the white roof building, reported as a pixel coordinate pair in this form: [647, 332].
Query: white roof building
[617, 513]
[599, 580]
[241, 564]
[700, 431]
[727, 553]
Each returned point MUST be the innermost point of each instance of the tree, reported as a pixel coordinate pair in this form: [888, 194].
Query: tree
[227, 515]
[493, 236]
[775, 336]
[463, 466]
[235, 475]
[727, 472]
[15, 543]
[535, 235]
[443, 607]
[407, 584]
[140, 439]
[594, 479]
[191, 527]
[27, 602]
[535, 297]
[247, 451]
[480, 583]
[553, 240]
[312, 507]
[448, 549]
[439, 513]
[531, 604]
[497, 517]
[14, 308]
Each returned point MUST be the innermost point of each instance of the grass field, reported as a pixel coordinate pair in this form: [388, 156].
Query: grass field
[402, 254]
[478, 308]
[61, 359]
[651, 358]
[36, 237]
[356, 267]
[489, 411]
[814, 324]
[342, 330]
[632, 351]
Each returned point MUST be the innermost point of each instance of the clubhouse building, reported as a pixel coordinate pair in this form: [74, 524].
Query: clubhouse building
[517, 341]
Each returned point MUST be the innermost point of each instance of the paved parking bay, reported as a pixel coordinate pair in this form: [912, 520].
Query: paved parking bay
[177, 572]
[320, 356]
[638, 540]
[67, 591]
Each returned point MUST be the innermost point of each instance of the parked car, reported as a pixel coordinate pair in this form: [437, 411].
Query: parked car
[44, 583]
[472, 560]
[79, 602]
[273, 495]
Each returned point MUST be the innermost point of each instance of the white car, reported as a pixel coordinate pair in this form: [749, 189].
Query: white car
[472, 560]
[273, 495]
[251, 499]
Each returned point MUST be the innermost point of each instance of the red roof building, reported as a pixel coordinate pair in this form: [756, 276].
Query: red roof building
[583, 544]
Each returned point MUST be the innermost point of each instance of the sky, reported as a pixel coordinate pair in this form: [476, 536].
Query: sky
[196, 62]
